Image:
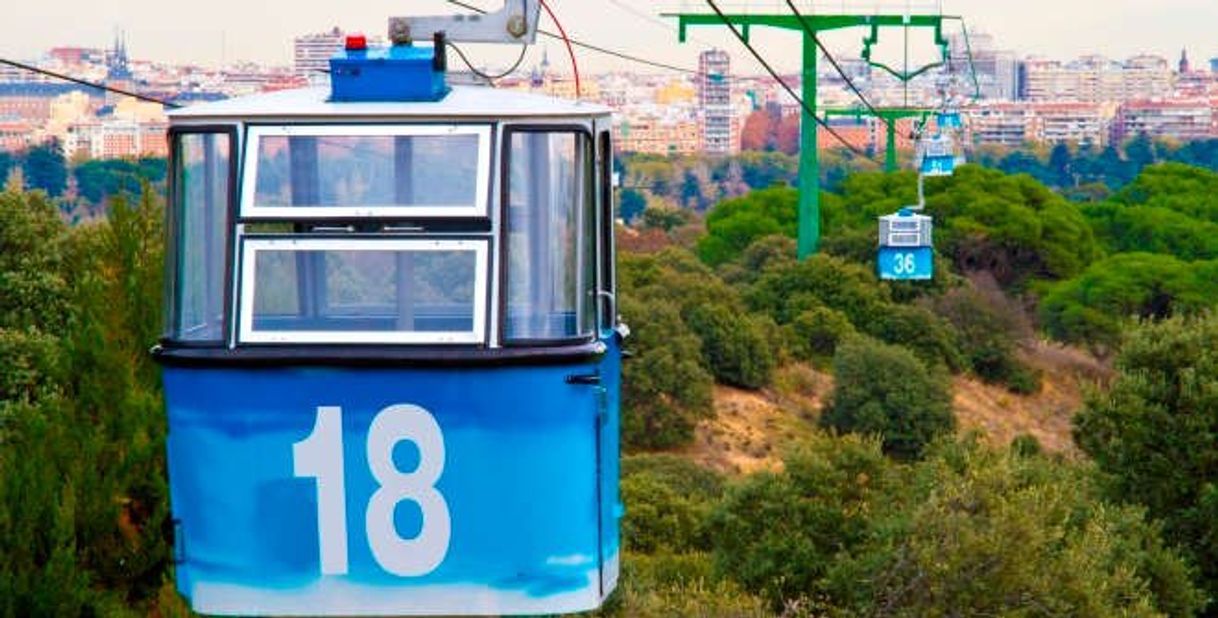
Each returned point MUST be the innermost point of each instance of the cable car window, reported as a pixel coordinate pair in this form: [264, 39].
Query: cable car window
[201, 178]
[551, 237]
[363, 291]
[367, 171]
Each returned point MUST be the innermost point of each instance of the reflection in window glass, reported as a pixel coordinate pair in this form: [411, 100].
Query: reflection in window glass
[367, 171]
[551, 281]
[364, 290]
[201, 181]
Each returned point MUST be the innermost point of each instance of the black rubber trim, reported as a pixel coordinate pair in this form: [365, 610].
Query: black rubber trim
[372, 356]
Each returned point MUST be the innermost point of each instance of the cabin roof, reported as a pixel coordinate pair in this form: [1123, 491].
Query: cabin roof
[472, 102]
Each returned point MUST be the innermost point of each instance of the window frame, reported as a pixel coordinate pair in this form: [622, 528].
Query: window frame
[505, 189]
[606, 290]
[251, 245]
[173, 231]
[479, 209]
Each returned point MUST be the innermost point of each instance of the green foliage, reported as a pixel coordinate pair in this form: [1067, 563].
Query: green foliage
[83, 505]
[667, 501]
[988, 331]
[736, 346]
[45, 169]
[816, 333]
[1002, 534]
[631, 204]
[665, 389]
[661, 586]
[1154, 432]
[886, 391]
[1092, 308]
[780, 535]
[665, 218]
[1012, 226]
[99, 179]
[1179, 188]
[734, 224]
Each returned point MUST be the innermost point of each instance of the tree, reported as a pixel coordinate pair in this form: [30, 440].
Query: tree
[666, 391]
[1092, 308]
[632, 204]
[886, 391]
[781, 535]
[1153, 432]
[737, 346]
[45, 168]
[734, 224]
[1060, 166]
[1006, 534]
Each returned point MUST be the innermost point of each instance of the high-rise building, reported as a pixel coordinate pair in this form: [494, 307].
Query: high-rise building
[312, 52]
[1095, 79]
[997, 70]
[715, 112]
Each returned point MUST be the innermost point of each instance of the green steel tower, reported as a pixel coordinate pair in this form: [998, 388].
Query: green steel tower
[810, 26]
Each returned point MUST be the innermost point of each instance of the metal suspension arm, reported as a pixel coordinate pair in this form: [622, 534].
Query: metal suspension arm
[516, 22]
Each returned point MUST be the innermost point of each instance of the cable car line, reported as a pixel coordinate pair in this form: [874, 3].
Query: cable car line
[595, 48]
[566, 40]
[833, 61]
[790, 91]
[519, 60]
[85, 82]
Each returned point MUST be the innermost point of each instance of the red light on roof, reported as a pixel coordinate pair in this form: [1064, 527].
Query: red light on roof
[357, 42]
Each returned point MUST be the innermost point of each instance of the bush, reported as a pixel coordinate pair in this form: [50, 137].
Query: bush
[1153, 432]
[886, 391]
[677, 585]
[1003, 534]
[919, 330]
[816, 333]
[736, 346]
[665, 389]
[988, 331]
[668, 500]
[780, 535]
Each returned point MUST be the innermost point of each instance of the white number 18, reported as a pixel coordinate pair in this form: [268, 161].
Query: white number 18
[320, 456]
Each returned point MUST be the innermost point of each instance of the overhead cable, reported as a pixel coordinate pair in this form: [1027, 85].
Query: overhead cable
[790, 91]
[591, 47]
[84, 82]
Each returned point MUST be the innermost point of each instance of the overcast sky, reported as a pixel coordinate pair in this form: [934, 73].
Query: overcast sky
[213, 31]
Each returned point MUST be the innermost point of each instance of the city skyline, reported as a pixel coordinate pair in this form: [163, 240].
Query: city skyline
[209, 36]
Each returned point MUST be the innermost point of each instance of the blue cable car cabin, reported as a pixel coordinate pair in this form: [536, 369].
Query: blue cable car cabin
[392, 359]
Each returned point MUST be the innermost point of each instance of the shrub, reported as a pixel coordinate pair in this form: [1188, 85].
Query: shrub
[816, 333]
[735, 346]
[665, 389]
[1153, 432]
[886, 391]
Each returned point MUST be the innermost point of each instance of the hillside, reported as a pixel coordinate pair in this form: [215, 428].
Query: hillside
[749, 430]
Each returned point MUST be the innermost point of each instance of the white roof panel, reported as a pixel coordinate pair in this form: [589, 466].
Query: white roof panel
[462, 102]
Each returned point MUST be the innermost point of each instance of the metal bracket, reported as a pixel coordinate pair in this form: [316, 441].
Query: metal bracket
[516, 22]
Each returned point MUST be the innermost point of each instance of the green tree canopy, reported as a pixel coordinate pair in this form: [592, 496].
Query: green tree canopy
[886, 391]
[1155, 432]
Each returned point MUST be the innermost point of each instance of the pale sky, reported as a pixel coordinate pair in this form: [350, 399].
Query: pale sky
[261, 30]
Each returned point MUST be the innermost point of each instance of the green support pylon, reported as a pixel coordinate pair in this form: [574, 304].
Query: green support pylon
[889, 116]
[809, 166]
[809, 160]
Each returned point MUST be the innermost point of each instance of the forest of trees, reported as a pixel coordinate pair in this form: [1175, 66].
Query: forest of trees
[882, 508]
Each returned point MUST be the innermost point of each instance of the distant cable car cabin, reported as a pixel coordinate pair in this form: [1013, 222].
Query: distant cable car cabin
[906, 246]
[937, 156]
[392, 358]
